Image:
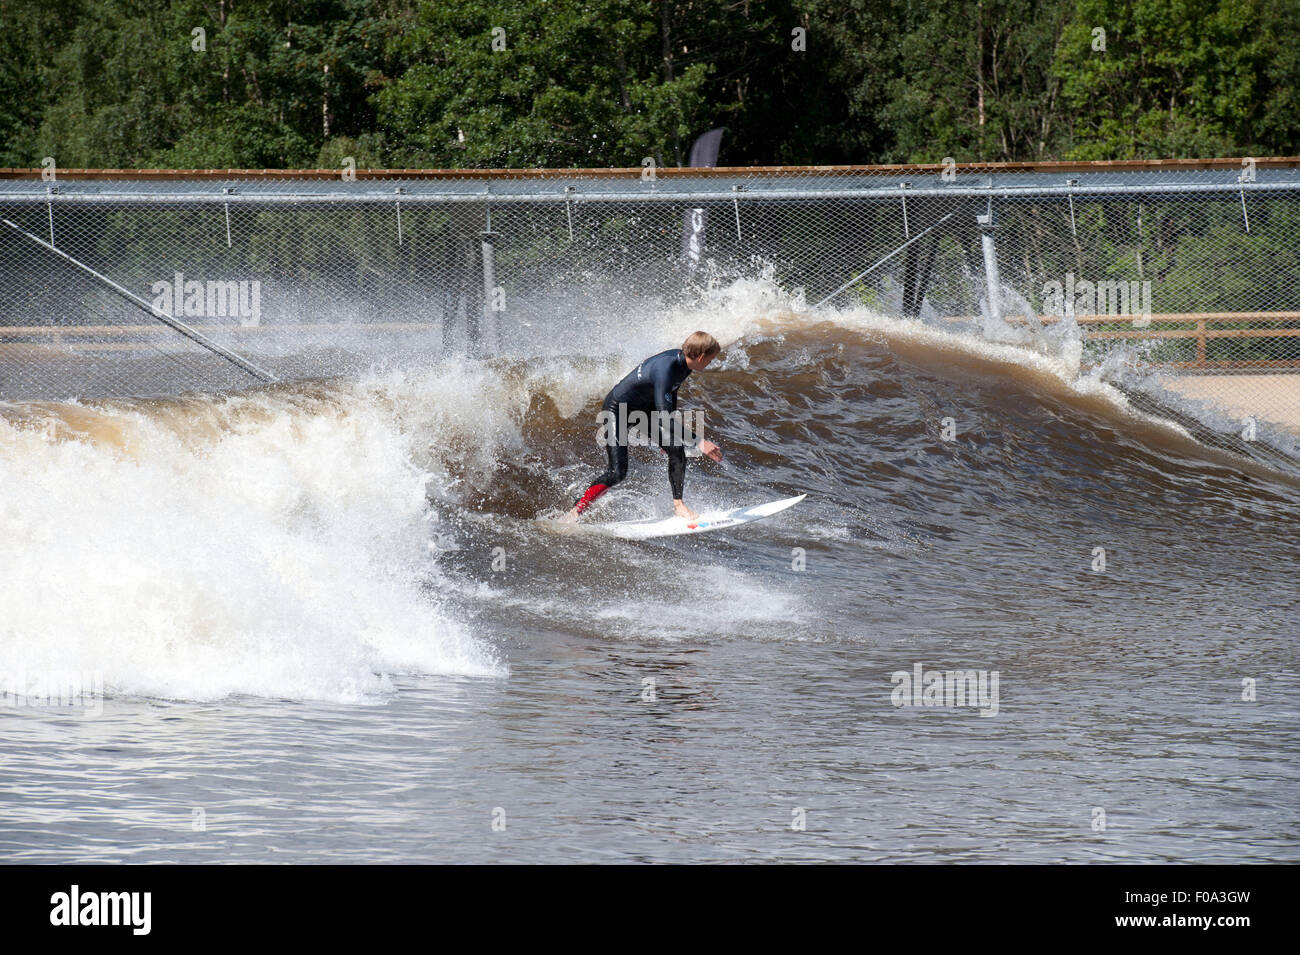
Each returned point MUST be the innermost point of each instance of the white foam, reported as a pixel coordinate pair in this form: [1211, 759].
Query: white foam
[683, 612]
[280, 554]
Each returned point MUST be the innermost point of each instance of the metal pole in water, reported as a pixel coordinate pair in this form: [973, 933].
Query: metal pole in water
[49, 206]
[227, 191]
[992, 283]
[398, 191]
[190, 333]
[491, 335]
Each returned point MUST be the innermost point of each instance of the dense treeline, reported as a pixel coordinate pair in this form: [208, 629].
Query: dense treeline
[520, 83]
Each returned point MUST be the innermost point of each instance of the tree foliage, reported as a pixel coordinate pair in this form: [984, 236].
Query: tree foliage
[522, 83]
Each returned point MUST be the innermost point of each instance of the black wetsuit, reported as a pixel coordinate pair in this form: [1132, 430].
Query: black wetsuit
[650, 387]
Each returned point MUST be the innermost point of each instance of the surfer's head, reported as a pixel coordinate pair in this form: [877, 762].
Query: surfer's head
[700, 348]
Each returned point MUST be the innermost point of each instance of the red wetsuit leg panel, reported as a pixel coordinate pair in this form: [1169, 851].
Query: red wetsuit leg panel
[593, 492]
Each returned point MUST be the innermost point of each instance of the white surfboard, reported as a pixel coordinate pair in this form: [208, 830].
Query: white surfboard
[716, 521]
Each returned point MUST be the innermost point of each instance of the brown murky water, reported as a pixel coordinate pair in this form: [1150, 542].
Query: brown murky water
[327, 617]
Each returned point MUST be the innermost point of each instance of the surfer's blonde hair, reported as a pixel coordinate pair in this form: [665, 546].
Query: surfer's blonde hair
[700, 345]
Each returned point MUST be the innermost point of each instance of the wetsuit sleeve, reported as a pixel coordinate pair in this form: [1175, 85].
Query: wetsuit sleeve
[665, 402]
[662, 379]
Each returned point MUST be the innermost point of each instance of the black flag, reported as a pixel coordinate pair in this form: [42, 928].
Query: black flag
[704, 155]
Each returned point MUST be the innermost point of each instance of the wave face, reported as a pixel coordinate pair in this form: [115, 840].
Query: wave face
[314, 540]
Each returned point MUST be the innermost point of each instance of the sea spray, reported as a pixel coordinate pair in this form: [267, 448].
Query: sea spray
[267, 544]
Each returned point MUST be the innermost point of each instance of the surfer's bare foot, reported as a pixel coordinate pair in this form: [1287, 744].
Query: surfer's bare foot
[571, 517]
[681, 510]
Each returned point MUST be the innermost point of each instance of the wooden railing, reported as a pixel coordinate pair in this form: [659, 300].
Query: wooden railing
[39, 340]
[46, 340]
[1146, 328]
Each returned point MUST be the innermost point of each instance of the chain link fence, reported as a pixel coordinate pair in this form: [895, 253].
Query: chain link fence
[1179, 280]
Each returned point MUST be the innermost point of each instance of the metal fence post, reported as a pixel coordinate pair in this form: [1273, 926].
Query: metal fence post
[489, 339]
[992, 283]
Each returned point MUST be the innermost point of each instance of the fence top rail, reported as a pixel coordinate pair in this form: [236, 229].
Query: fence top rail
[1017, 187]
[723, 184]
[636, 173]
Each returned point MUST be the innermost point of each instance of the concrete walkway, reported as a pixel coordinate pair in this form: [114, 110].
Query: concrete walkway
[1272, 398]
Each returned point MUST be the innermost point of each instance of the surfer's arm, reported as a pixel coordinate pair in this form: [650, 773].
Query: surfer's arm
[665, 398]
[692, 440]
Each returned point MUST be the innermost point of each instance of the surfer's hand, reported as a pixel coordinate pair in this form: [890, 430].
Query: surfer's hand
[711, 449]
[681, 510]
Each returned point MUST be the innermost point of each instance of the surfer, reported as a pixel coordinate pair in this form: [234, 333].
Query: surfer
[651, 390]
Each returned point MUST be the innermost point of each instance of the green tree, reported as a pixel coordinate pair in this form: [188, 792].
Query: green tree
[975, 81]
[1188, 78]
[526, 83]
[132, 84]
[30, 30]
[608, 82]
